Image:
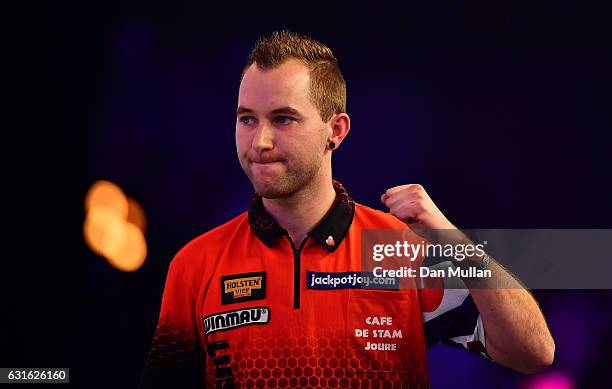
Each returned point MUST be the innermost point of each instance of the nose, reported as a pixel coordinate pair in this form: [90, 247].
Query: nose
[264, 138]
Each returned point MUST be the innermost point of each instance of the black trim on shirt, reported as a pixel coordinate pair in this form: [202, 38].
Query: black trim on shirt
[335, 224]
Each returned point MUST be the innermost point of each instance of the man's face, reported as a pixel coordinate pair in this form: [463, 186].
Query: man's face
[280, 136]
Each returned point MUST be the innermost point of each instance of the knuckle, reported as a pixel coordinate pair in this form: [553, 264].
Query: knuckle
[419, 205]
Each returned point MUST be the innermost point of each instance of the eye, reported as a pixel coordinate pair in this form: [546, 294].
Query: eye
[247, 120]
[284, 120]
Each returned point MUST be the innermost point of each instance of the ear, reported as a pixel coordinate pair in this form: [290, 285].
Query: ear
[340, 124]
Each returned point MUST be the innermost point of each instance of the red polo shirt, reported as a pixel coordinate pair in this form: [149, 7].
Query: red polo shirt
[244, 307]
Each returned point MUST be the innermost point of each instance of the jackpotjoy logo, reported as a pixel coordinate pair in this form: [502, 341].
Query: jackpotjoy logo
[349, 280]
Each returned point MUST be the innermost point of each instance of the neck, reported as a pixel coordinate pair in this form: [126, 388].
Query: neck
[302, 211]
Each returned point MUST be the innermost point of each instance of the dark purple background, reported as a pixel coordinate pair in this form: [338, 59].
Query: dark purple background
[501, 110]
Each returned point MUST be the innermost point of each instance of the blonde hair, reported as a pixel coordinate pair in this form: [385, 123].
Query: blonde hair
[327, 87]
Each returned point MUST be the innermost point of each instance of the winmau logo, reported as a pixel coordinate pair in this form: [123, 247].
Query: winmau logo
[234, 319]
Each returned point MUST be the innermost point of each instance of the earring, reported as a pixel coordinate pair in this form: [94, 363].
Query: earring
[332, 145]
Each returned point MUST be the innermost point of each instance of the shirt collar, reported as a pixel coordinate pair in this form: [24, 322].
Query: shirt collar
[329, 232]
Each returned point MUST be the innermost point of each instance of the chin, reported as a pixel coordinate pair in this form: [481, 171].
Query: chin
[272, 190]
[278, 186]
[270, 193]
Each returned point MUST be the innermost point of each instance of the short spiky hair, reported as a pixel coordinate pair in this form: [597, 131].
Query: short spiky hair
[327, 86]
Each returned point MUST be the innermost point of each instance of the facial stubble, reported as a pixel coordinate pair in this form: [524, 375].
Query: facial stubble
[294, 179]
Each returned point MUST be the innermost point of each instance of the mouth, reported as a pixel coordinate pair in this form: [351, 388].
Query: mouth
[266, 168]
[265, 163]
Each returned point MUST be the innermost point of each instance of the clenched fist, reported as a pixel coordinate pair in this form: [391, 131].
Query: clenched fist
[411, 204]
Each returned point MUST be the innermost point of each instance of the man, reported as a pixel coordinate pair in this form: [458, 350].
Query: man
[270, 298]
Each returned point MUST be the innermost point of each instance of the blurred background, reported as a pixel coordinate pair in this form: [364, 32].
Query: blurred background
[500, 109]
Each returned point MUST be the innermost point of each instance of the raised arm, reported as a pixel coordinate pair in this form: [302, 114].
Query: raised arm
[516, 333]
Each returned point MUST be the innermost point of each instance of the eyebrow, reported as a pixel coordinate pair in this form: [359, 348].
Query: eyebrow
[285, 110]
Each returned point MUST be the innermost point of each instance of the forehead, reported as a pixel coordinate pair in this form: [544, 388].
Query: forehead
[285, 85]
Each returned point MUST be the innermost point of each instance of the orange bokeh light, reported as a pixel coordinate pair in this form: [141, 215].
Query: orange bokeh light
[132, 254]
[105, 193]
[136, 214]
[104, 230]
[114, 226]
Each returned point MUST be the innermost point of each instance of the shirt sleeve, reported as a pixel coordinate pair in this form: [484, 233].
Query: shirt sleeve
[176, 357]
[450, 315]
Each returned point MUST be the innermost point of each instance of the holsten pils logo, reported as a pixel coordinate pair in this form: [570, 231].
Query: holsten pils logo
[233, 319]
[237, 288]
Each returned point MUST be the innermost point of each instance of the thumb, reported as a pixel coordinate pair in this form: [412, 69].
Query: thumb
[383, 199]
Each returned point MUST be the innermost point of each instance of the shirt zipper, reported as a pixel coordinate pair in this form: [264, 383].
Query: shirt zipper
[296, 271]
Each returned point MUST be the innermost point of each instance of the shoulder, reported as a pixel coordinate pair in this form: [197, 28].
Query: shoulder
[370, 218]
